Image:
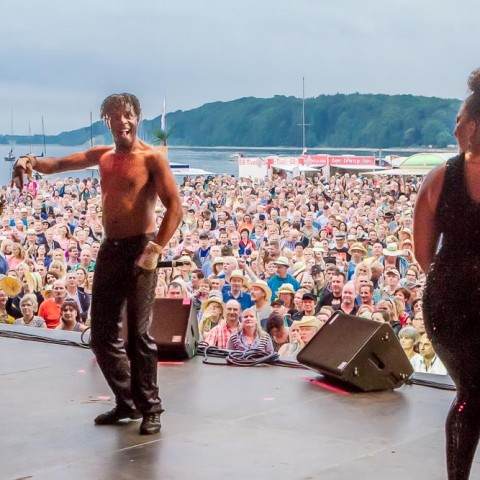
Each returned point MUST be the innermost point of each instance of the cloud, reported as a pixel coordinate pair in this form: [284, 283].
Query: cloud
[63, 59]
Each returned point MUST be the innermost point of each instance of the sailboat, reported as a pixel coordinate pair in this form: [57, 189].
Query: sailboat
[10, 157]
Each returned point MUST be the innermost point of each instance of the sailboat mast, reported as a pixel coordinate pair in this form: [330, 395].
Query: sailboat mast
[43, 134]
[30, 136]
[91, 130]
[304, 142]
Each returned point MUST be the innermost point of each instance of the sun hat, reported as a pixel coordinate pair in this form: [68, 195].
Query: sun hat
[392, 250]
[282, 261]
[358, 247]
[34, 280]
[211, 300]
[298, 268]
[184, 260]
[309, 321]
[285, 288]
[394, 271]
[217, 261]
[406, 230]
[239, 274]
[264, 286]
[10, 285]
[317, 247]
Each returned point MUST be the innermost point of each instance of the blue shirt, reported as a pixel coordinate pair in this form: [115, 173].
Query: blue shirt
[276, 282]
[244, 298]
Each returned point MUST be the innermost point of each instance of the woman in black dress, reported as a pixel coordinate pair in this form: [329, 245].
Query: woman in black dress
[448, 209]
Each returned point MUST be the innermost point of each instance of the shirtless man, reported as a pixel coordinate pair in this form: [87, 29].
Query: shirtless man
[133, 175]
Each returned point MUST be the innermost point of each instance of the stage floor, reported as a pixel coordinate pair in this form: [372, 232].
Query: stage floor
[220, 423]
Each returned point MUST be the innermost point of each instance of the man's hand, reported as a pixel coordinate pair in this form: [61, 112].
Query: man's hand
[23, 165]
[149, 257]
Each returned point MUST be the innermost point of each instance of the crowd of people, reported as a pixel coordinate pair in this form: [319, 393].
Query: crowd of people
[265, 263]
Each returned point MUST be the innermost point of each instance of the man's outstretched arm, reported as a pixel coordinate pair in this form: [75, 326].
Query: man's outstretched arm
[47, 165]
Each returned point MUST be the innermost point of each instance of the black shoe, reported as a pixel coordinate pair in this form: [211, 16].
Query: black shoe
[116, 415]
[150, 423]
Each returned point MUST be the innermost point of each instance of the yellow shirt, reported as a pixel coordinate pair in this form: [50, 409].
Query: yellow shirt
[6, 318]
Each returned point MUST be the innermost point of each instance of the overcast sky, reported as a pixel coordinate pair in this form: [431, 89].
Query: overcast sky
[60, 58]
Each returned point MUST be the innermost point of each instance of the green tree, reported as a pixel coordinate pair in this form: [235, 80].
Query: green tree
[160, 136]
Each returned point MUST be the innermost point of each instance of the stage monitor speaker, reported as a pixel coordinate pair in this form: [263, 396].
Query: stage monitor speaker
[357, 352]
[174, 328]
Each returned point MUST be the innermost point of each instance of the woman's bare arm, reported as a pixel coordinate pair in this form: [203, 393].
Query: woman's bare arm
[425, 228]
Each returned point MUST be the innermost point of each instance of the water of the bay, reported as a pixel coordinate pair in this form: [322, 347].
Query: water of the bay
[219, 160]
[216, 160]
[213, 160]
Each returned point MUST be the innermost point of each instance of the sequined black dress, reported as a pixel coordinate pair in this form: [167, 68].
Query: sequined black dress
[451, 308]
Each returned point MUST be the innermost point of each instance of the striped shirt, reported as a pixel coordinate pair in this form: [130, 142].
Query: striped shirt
[238, 342]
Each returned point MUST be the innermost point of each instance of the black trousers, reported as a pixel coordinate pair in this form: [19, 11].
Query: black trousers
[118, 280]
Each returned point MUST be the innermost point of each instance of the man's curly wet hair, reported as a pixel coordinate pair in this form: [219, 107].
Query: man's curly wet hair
[116, 100]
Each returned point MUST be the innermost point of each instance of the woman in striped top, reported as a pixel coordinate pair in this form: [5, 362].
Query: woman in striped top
[250, 336]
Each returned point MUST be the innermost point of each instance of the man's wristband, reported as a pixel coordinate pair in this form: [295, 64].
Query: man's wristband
[158, 248]
[30, 157]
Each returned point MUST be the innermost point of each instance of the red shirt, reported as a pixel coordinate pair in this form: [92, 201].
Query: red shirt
[218, 336]
[50, 311]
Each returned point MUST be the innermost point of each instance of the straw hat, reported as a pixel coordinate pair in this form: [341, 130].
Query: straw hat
[309, 321]
[282, 261]
[317, 247]
[216, 300]
[217, 261]
[406, 231]
[358, 247]
[264, 286]
[11, 286]
[285, 288]
[298, 268]
[184, 260]
[34, 280]
[239, 274]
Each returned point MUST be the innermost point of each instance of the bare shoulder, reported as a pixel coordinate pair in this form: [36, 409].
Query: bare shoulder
[432, 187]
[155, 158]
[94, 154]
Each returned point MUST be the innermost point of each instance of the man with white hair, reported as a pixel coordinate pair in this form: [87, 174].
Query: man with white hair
[230, 264]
